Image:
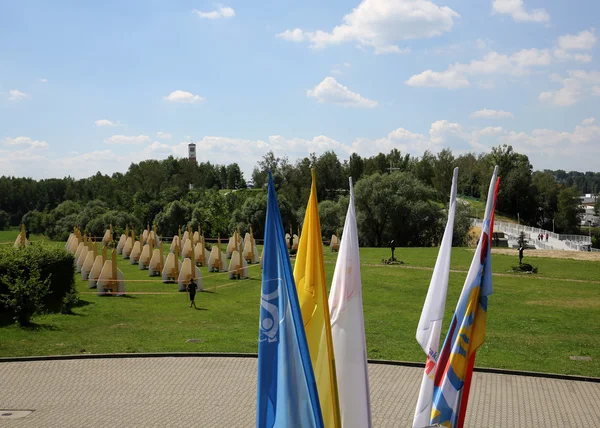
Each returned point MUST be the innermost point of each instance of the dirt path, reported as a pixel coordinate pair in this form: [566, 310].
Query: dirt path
[512, 275]
[551, 254]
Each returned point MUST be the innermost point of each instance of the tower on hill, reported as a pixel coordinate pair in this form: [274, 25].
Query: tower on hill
[192, 152]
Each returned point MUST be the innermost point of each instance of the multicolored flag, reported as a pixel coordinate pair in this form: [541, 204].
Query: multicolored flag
[432, 316]
[309, 273]
[467, 330]
[348, 329]
[287, 391]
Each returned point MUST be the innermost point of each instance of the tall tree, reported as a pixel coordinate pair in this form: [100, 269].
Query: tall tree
[568, 216]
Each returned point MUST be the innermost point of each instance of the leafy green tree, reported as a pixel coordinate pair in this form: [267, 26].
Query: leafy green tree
[35, 221]
[331, 219]
[4, 220]
[235, 178]
[568, 216]
[254, 213]
[330, 179]
[516, 196]
[120, 221]
[356, 166]
[396, 206]
[176, 215]
[424, 168]
[546, 191]
[442, 173]
[462, 225]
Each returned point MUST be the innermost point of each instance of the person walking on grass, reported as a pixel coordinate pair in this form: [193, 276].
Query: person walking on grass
[191, 289]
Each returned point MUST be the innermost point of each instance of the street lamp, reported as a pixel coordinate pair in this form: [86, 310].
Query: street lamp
[552, 225]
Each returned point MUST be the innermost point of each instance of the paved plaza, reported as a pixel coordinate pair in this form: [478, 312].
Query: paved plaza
[221, 392]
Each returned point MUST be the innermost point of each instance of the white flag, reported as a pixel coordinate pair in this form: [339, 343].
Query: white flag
[430, 324]
[348, 329]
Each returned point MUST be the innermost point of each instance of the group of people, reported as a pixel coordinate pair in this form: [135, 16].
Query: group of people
[541, 237]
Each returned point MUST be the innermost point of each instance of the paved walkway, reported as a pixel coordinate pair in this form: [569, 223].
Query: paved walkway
[221, 392]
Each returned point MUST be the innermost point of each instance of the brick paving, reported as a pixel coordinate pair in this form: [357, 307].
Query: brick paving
[221, 392]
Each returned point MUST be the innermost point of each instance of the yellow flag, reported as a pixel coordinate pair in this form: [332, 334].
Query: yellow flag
[309, 274]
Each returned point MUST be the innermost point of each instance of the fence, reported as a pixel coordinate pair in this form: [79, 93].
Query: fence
[518, 228]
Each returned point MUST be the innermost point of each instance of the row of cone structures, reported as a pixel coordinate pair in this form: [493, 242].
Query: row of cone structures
[103, 274]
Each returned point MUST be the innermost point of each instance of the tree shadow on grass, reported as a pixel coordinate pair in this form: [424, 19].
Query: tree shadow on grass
[32, 326]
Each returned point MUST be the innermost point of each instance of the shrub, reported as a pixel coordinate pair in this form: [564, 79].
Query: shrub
[46, 262]
[525, 268]
[25, 295]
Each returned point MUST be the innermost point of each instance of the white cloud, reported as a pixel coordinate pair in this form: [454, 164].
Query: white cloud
[338, 68]
[221, 12]
[442, 130]
[516, 9]
[450, 79]
[585, 40]
[295, 35]
[330, 91]
[575, 87]
[492, 114]
[183, 97]
[43, 80]
[105, 123]
[127, 139]
[25, 141]
[589, 121]
[16, 95]
[163, 135]
[381, 24]
[523, 62]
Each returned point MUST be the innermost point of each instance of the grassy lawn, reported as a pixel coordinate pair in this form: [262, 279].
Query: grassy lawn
[533, 324]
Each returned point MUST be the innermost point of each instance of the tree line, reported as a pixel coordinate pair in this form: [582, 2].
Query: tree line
[398, 196]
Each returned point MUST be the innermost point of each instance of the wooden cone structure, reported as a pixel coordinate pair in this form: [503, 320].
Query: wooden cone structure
[334, 244]
[146, 256]
[82, 255]
[94, 273]
[89, 261]
[188, 271]
[129, 243]
[196, 236]
[250, 251]
[175, 243]
[111, 279]
[172, 267]
[188, 249]
[21, 240]
[200, 252]
[145, 235]
[136, 252]
[107, 235]
[80, 246]
[157, 262]
[73, 244]
[69, 239]
[217, 261]
[232, 244]
[238, 267]
[154, 237]
[122, 240]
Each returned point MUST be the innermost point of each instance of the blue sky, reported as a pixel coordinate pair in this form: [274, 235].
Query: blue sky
[88, 86]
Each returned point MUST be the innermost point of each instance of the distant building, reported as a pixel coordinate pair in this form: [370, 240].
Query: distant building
[192, 152]
[588, 205]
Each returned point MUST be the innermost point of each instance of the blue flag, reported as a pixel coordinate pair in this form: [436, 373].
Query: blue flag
[287, 392]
